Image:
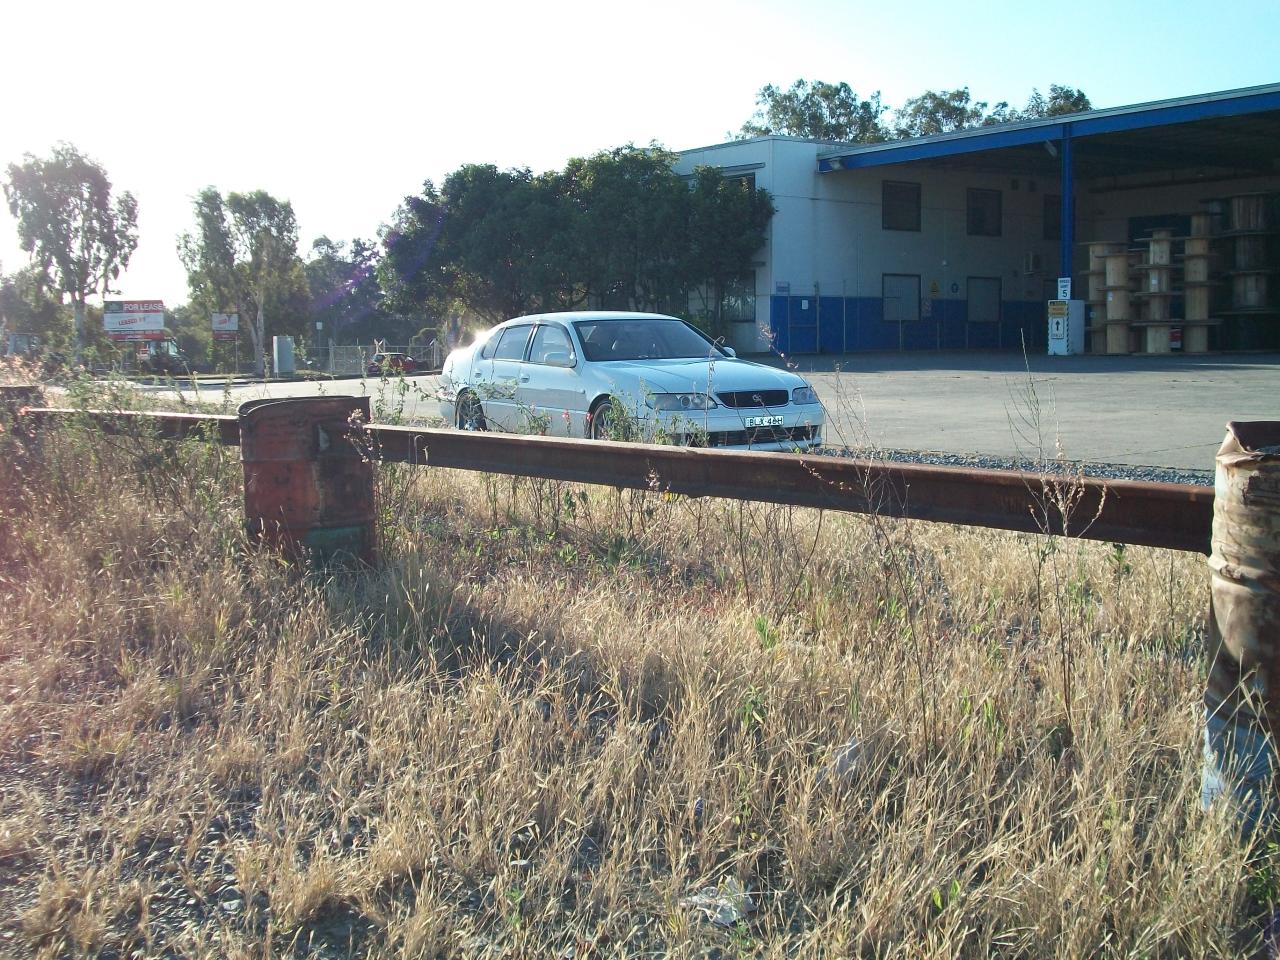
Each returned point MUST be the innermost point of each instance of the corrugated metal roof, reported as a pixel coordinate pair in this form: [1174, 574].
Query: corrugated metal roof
[1212, 112]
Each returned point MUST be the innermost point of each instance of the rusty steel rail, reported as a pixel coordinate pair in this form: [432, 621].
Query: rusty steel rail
[224, 428]
[1174, 516]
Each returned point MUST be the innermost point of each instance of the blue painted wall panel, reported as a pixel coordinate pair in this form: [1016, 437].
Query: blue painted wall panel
[778, 324]
[873, 332]
[1024, 319]
[951, 316]
[804, 325]
[920, 336]
[984, 336]
[831, 324]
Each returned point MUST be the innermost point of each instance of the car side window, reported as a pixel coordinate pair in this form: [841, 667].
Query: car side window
[486, 353]
[513, 342]
[551, 345]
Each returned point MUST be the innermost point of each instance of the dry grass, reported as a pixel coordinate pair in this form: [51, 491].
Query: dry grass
[556, 713]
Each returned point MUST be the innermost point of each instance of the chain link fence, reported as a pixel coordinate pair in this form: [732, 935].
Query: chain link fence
[354, 359]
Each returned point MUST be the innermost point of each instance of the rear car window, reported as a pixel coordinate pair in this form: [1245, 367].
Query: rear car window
[513, 342]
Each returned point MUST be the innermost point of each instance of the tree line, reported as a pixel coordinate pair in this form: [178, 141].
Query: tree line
[834, 111]
[619, 229]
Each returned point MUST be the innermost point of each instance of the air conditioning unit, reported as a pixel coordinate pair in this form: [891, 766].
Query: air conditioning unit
[1031, 264]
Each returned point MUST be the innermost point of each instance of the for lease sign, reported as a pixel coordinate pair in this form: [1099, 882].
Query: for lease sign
[226, 326]
[133, 319]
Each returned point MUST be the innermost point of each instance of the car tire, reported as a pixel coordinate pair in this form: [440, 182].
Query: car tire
[470, 413]
[605, 422]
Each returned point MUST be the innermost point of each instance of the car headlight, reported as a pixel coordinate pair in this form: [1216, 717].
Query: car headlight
[680, 401]
[805, 394]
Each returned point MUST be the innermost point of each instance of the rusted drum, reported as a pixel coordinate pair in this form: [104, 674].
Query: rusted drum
[1242, 698]
[308, 486]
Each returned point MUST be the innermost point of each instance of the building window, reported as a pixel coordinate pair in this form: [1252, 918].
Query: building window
[1052, 216]
[900, 205]
[739, 304]
[984, 214]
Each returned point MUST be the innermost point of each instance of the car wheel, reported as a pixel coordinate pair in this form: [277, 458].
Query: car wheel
[470, 414]
[608, 421]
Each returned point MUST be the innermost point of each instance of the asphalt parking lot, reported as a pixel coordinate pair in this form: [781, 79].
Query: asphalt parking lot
[1137, 410]
[1150, 411]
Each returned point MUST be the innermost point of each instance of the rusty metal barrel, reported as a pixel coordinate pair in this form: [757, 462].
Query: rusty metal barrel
[308, 485]
[1242, 698]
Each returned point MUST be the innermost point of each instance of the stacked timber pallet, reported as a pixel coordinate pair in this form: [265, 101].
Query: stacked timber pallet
[1155, 293]
[1251, 236]
[1099, 296]
[1198, 284]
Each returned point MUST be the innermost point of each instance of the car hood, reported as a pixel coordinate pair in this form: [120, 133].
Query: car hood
[702, 376]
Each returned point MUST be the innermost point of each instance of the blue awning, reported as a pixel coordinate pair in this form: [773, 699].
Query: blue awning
[1201, 109]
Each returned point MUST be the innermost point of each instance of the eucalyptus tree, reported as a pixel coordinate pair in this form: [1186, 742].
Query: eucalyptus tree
[80, 238]
[345, 299]
[243, 256]
[819, 111]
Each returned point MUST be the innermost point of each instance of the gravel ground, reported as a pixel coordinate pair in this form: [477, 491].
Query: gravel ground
[1110, 471]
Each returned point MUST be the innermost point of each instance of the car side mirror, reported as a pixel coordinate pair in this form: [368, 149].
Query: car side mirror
[558, 358]
[729, 351]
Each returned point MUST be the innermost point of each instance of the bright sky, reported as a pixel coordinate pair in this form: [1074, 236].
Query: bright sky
[346, 108]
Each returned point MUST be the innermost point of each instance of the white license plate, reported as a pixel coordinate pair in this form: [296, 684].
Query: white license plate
[764, 421]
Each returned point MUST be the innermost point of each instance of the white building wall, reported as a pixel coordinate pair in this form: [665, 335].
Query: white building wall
[827, 236]
[785, 166]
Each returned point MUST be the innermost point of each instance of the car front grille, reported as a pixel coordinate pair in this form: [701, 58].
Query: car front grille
[756, 435]
[753, 398]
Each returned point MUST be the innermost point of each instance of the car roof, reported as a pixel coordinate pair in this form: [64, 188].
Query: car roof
[569, 316]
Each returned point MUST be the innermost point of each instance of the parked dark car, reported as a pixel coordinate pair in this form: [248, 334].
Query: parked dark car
[172, 364]
[391, 363]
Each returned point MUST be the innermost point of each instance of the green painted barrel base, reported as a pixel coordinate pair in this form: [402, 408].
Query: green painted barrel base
[331, 542]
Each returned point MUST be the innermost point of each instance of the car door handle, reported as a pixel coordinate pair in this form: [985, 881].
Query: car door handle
[524, 378]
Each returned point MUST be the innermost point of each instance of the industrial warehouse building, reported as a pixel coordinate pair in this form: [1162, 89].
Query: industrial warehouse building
[1162, 214]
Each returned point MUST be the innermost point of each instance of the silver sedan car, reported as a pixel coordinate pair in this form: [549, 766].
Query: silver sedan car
[632, 376]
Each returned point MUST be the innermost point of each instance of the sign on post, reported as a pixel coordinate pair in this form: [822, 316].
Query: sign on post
[226, 326]
[1064, 288]
[133, 319]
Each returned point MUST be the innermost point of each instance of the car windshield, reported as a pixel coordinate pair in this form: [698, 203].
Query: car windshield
[645, 338]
